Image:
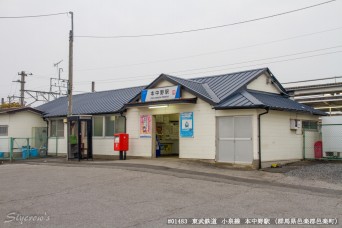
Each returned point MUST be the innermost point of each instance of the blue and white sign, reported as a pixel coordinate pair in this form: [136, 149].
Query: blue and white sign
[187, 124]
[158, 94]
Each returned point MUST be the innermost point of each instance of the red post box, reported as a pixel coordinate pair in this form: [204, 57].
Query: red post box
[318, 148]
[121, 142]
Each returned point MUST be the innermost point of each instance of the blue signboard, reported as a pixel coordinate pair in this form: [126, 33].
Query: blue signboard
[187, 124]
[158, 94]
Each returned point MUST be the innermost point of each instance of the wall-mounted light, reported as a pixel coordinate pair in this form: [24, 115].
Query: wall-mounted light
[158, 106]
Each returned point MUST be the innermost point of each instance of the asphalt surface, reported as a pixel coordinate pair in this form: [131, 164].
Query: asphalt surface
[133, 195]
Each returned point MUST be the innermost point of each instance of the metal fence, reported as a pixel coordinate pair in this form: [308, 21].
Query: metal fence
[22, 148]
[323, 143]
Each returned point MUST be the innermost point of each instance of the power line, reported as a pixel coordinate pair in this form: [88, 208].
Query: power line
[257, 60]
[259, 64]
[206, 28]
[280, 61]
[236, 63]
[144, 77]
[31, 16]
[212, 52]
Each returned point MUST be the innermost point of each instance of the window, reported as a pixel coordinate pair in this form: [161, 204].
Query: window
[57, 128]
[310, 125]
[120, 124]
[108, 125]
[3, 130]
[98, 126]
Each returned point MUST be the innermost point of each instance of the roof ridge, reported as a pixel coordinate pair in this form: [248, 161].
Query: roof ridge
[238, 72]
[251, 98]
[266, 93]
[187, 79]
[111, 90]
[205, 92]
[211, 93]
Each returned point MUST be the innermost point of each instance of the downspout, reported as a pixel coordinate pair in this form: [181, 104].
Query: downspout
[121, 114]
[259, 134]
[47, 136]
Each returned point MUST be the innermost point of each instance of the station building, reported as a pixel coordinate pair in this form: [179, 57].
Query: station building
[239, 118]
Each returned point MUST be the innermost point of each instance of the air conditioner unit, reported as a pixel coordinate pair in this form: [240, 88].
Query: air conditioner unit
[333, 154]
[295, 124]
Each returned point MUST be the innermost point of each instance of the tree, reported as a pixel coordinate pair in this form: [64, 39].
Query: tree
[10, 105]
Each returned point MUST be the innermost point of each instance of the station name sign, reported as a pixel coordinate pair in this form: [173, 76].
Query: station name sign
[158, 94]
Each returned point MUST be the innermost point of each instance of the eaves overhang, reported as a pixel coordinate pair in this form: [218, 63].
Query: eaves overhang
[173, 101]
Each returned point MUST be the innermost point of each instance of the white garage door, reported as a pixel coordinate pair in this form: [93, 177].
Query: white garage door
[234, 139]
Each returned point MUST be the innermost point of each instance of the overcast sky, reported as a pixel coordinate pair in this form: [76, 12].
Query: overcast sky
[35, 44]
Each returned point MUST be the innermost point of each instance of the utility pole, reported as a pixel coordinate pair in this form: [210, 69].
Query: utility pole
[22, 87]
[22, 82]
[70, 84]
[71, 45]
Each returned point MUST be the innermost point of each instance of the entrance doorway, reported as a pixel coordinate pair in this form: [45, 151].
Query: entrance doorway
[234, 141]
[80, 137]
[167, 135]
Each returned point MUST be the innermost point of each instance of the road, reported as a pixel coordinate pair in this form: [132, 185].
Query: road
[132, 196]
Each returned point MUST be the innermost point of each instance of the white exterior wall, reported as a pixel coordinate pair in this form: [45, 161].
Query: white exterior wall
[278, 142]
[58, 144]
[20, 124]
[104, 146]
[101, 145]
[201, 146]
[260, 84]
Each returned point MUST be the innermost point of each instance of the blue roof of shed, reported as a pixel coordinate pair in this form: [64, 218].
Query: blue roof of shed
[111, 101]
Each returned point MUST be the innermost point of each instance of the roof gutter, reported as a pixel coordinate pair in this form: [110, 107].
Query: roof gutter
[259, 134]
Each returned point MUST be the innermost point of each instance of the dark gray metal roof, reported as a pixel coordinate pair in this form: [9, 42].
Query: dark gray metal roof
[111, 101]
[254, 99]
[199, 88]
[227, 84]
[225, 91]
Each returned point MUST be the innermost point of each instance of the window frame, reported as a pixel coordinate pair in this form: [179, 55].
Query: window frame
[58, 122]
[104, 127]
[311, 122]
[103, 130]
[6, 134]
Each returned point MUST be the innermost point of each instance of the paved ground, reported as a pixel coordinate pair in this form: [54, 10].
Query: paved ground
[138, 194]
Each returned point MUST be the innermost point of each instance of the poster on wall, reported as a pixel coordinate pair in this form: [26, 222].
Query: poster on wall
[145, 126]
[187, 124]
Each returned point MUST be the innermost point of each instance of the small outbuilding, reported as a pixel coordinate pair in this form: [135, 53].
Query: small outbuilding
[24, 125]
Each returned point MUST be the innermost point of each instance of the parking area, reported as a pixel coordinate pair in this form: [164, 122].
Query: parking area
[116, 194]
